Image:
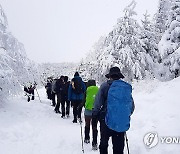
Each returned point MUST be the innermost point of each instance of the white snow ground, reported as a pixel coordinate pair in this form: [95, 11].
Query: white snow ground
[33, 128]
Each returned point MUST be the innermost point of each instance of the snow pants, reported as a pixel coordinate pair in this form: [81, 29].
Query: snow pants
[117, 139]
[53, 97]
[77, 108]
[88, 122]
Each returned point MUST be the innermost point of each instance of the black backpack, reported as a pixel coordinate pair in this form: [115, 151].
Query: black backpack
[59, 86]
[66, 87]
[77, 86]
[48, 86]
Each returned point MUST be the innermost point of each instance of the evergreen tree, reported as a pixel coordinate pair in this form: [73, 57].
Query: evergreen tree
[13, 61]
[170, 42]
[161, 17]
[148, 36]
[126, 49]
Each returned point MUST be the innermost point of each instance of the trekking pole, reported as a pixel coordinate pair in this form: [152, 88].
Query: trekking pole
[38, 95]
[127, 142]
[82, 137]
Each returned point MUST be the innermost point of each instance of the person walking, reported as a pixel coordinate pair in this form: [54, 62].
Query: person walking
[113, 107]
[53, 92]
[59, 92]
[90, 94]
[48, 88]
[75, 95]
[66, 101]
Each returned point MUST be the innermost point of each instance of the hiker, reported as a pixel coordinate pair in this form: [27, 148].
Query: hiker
[75, 95]
[53, 93]
[26, 90]
[59, 89]
[66, 101]
[90, 94]
[113, 106]
[48, 87]
[29, 91]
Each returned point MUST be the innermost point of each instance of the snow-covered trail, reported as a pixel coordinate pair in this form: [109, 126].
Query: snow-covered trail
[33, 128]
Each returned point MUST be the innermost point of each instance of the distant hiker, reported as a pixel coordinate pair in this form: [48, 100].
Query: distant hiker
[58, 88]
[75, 95]
[53, 92]
[48, 87]
[26, 90]
[66, 101]
[29, 91]
[90, 94]
[113, 105]
[59, 92]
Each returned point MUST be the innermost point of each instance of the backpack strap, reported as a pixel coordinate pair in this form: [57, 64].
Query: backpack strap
[103, 108]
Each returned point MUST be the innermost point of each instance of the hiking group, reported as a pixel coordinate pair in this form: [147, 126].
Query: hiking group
[111, 105]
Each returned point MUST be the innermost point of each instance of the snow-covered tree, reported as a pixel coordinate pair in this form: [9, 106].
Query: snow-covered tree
[161, 17]
[123, 47]
[13, 61]
[126, 49]
[169, 46]
[148, 36]
[55, 70]
[89, 67]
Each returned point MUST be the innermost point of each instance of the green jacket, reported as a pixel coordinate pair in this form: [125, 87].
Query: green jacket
[90, 97]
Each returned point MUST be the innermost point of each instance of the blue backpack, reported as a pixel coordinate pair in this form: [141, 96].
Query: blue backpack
[119, 106]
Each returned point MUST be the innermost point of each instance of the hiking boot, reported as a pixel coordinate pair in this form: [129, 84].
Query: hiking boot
[32, 98]
[74, 121]
[63, 117]
[87, 141]
[80, 121]
[28, 99]
[57, 111]
[94, 147]
[67, 115]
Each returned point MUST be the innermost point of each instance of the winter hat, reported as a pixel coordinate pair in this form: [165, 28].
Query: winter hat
[65, 78]
[115, 71]
[76, 74]
[91, 83]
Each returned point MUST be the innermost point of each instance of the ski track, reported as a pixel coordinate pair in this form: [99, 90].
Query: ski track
[33, 127]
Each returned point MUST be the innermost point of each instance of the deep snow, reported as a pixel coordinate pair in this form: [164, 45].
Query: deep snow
[33, 128]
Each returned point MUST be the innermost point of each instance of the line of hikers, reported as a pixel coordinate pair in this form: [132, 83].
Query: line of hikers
[112, 105]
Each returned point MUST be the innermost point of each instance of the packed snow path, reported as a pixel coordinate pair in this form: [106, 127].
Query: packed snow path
[33, 128]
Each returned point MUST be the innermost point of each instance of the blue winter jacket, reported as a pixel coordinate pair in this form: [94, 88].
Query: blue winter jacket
[73, 96]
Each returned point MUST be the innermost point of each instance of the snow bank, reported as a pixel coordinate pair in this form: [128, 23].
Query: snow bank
[157, 110]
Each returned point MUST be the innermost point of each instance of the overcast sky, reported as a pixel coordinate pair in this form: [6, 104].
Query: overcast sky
[65, 30]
